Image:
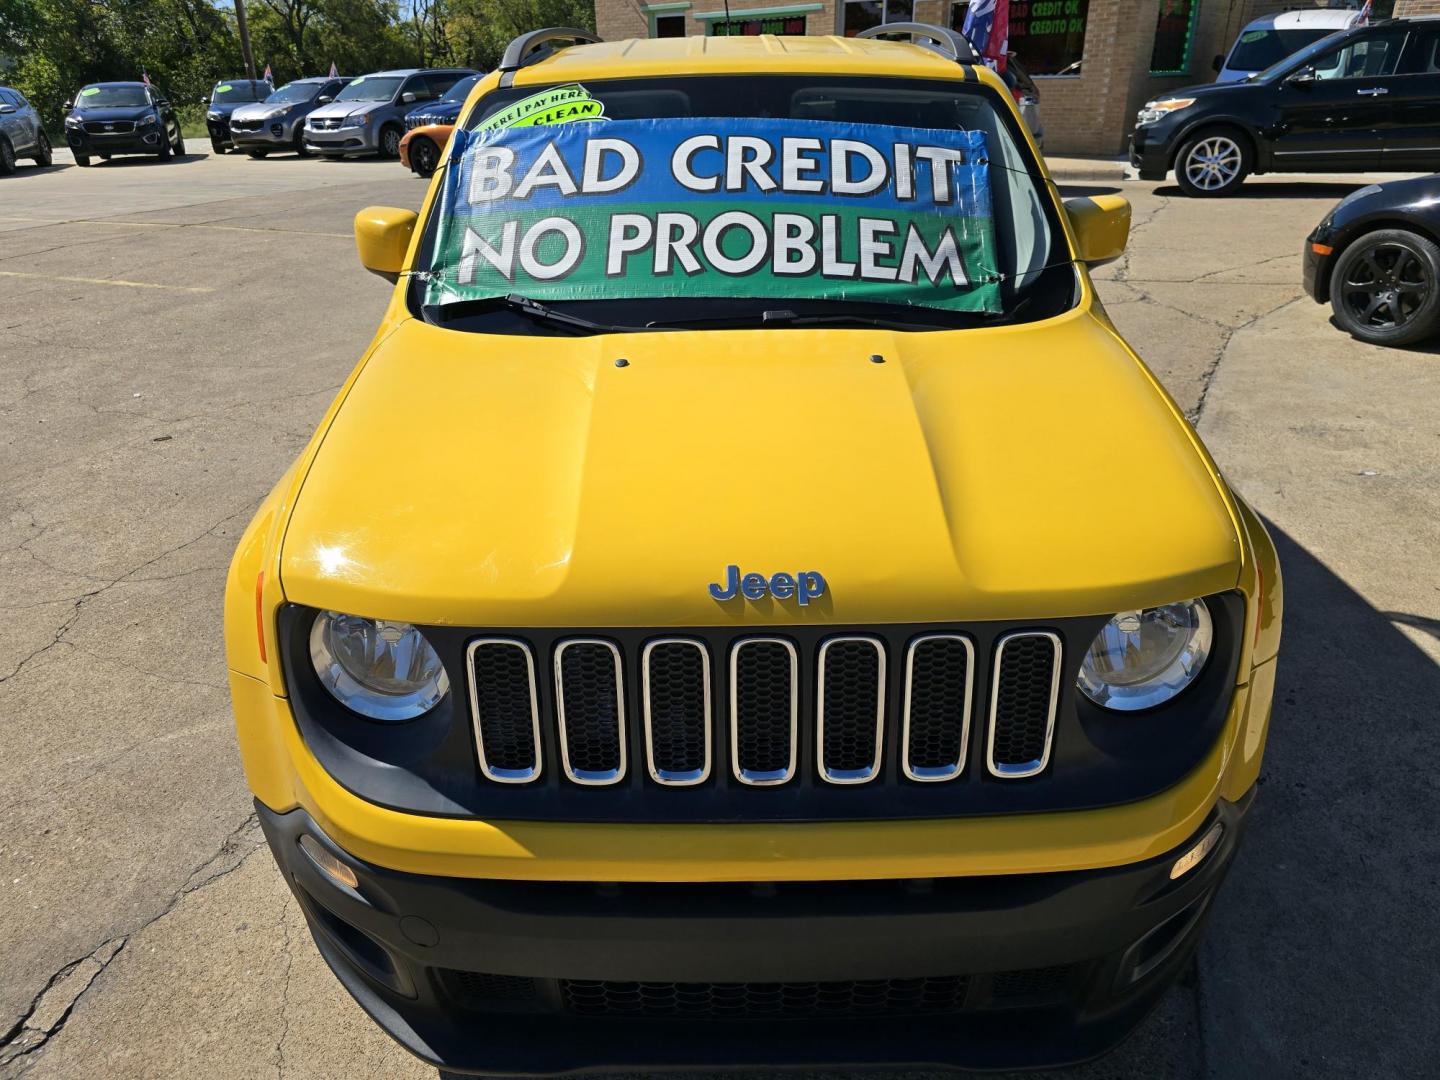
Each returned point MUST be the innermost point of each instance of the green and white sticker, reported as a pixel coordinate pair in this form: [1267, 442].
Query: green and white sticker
[567, 104]
[224, 88]
[89, 90]
[357, 82]
[1253, 35]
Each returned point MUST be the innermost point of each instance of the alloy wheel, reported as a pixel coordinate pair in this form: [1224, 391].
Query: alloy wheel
[425, 157]
[390, 142]
[1386, 286]
[1213, 163]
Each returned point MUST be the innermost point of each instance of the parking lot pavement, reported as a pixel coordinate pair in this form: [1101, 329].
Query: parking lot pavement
[169, 335]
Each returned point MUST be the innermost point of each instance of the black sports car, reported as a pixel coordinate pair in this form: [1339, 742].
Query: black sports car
[1376, 258]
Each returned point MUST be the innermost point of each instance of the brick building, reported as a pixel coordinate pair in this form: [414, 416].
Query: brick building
[1095, 61]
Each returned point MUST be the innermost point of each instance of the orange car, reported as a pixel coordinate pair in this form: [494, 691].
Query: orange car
[420, 148]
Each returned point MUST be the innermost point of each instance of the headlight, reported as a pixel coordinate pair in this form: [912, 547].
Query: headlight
[1141, 659]
[215, 116]
[1156, 110]
[145, 121]
[74, 122]
[380, 669]
[356, 120]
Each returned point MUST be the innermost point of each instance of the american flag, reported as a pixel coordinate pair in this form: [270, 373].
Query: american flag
[1362, 17]
[334, 72]
[145, 77]
[987, 25]
[267, 76]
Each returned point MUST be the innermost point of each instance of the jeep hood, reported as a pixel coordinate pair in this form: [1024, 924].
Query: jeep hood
[1018, 472]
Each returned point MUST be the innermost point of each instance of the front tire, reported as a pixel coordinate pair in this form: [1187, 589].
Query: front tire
[424, 157]
[179, 143]
[45, 156]
[258, 155]
[1385, 288]
[165, 149]
[216, 146]
[83, 160]
[7, 157]
[1212, 162]
[390, 137]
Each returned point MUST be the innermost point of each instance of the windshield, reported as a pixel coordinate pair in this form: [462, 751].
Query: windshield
[1304, 56]
[461, 90]
[231, 93]
[290, 93]
[1258, 49]
[369, 88]
[729, 201]
[112, 97]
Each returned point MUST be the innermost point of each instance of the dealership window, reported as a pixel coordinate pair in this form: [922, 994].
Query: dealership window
[669, 26]
[863, 14]
[1046, 36]
[1174, 31]
[762, 24]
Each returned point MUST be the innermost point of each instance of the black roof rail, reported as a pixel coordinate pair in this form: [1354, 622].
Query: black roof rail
[519, 52]
[941, 39]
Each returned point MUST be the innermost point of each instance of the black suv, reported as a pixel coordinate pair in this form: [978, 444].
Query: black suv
[1364, 98]
[122, 118]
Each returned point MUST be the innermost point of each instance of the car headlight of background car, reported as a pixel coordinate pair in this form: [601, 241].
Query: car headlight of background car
[74, 122]
[355, 120]
[1141, 659]
[146, 120]
[1157, 110]
[214, 116]
[380, 669]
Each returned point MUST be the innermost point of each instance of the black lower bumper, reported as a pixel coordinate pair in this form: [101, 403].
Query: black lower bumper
[1149, 156]
[545, 978]
[145, 141]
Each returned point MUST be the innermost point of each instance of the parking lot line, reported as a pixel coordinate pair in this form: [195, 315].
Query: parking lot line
[107, 281]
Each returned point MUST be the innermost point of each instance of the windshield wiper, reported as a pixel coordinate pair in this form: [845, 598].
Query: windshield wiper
[785, 317]
[533, 309]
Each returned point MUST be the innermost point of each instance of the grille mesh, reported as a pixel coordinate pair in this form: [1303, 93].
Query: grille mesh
[763, 706]
[853, 688]
[1020, 726]
[939, 697]
[866, 997]
[678, 708]
[1030, 983]
[504, 703]
[592, 720]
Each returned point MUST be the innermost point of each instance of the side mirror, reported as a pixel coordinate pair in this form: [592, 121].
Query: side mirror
[68, 105]
[382, 236]
[407, 97]
[1102, 226]
[1301, 77]
[6, 110]
[1218, 63]
[324, 99]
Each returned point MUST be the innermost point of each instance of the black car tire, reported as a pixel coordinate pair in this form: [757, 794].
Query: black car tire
[103, 156]
[165, 149]
[216, 146]
[1213, 161]
[390, 137]
[258, 155]
[179, 143]
[1385, 287]
[7, 157]
[300, 149]
[424, 156]
[45, 155]
[83, 160]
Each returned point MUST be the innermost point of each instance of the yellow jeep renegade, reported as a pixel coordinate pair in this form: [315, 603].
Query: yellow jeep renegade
[748, 605]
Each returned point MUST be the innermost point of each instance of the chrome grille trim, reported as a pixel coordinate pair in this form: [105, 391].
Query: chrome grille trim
[757, 778]
[591, 778]
[697, 776]
[926, 775]
[850, 776]
[504, 776]
[1029, 768]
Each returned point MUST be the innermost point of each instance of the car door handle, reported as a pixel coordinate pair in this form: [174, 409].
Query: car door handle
[1373, 90]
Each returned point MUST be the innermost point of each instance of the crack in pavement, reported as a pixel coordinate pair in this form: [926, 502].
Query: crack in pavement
[52, 1007]
[289, 955]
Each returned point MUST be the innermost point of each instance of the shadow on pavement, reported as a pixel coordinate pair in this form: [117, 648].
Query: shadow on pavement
[1321, 958]
[1259, 188]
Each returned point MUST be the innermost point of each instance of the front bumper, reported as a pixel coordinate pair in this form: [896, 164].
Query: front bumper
[341, 141]
[542, 978]
[141, 141]
[219, 131]
[277, 135]
[1150, 152]
[1315, 267]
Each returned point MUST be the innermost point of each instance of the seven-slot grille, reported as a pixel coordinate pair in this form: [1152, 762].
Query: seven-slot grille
[764, 675]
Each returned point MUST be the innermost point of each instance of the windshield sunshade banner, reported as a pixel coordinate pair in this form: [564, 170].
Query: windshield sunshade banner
[693, 207]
